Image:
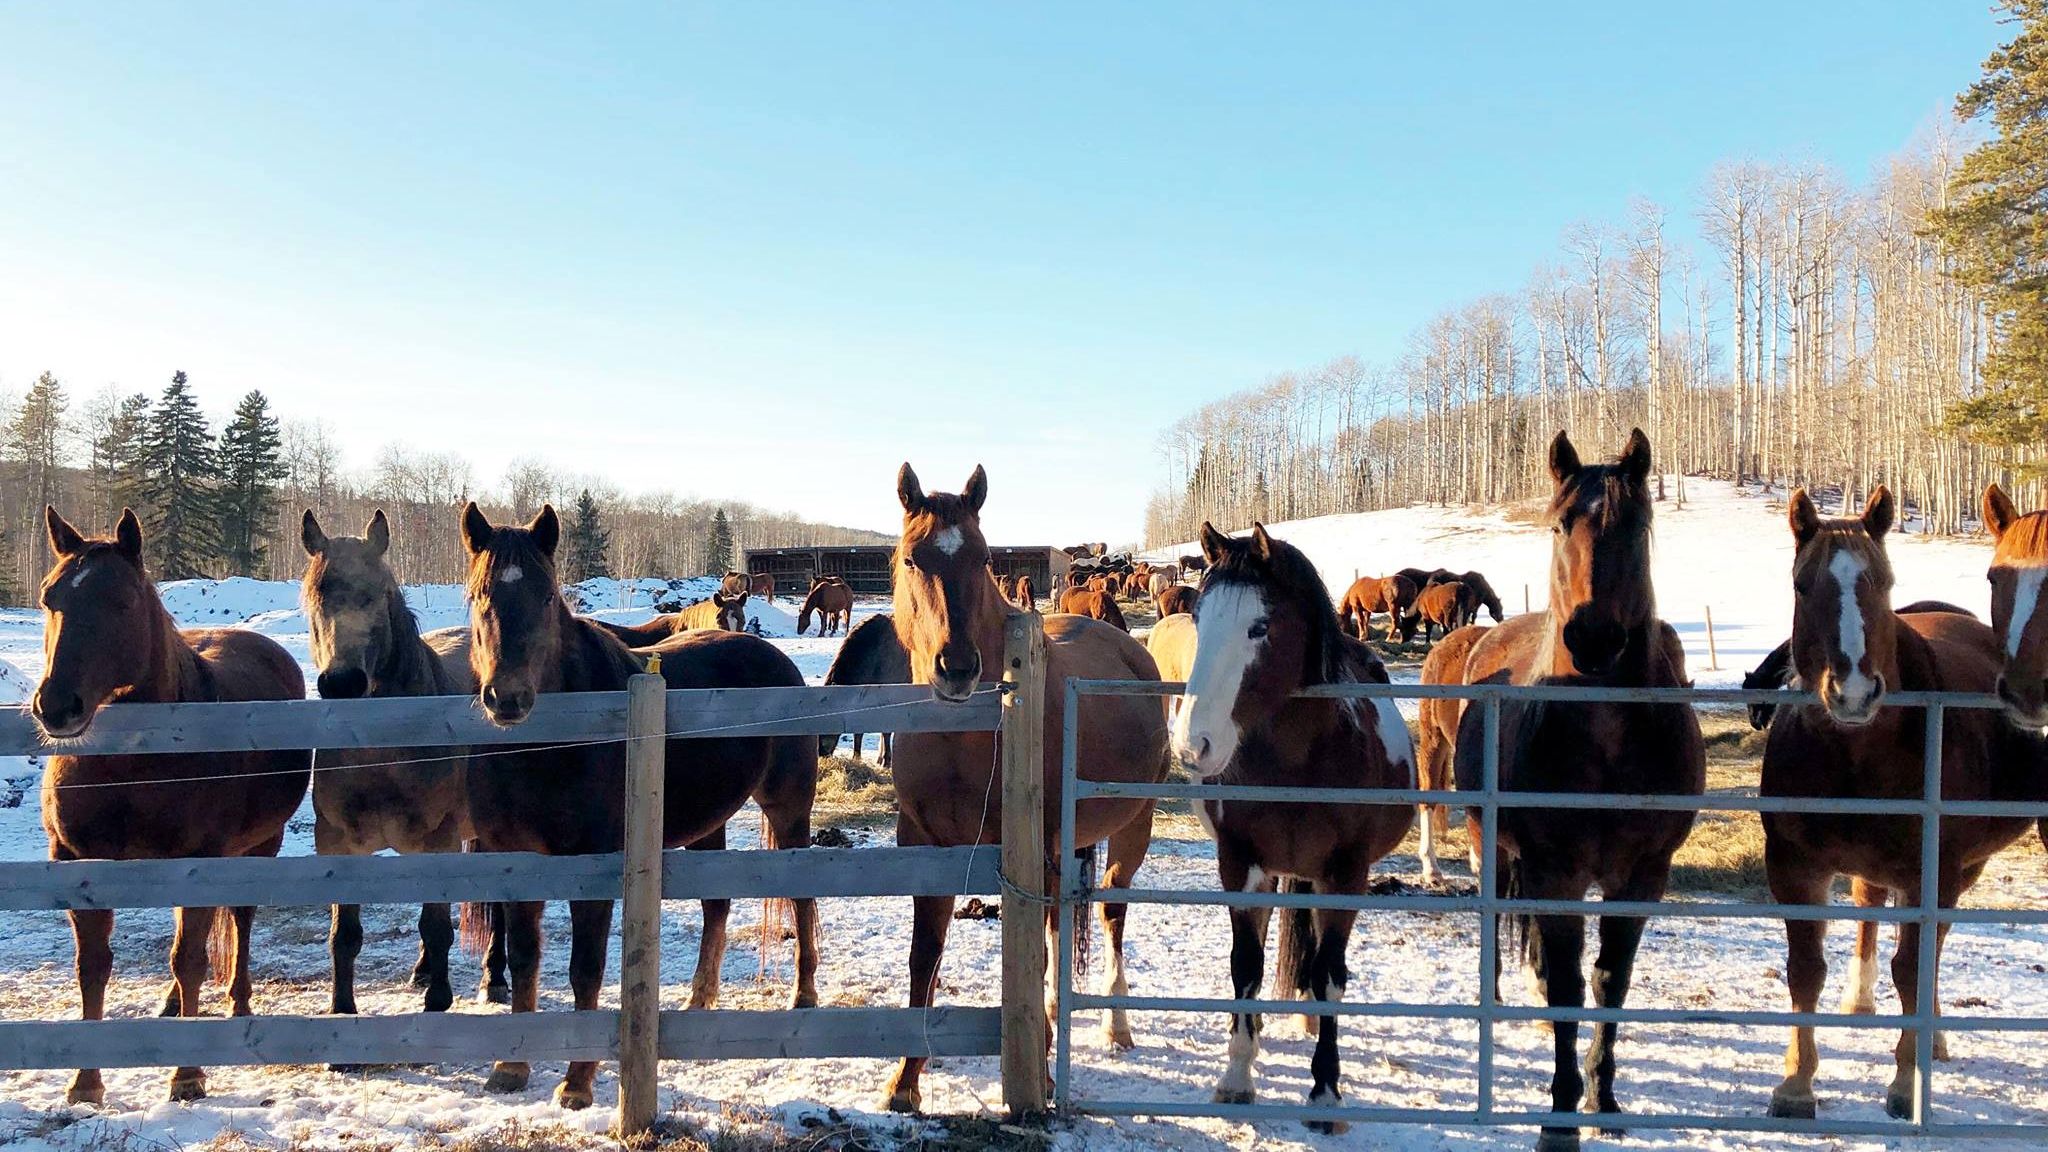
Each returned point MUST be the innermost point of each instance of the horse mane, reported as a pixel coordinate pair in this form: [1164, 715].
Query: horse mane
[2027, 536]
[1296, 578]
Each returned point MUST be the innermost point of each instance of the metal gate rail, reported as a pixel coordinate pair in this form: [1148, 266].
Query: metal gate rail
[1489, 799]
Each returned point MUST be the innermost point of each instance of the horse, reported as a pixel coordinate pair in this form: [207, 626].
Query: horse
[366, 642]
[832, 600]
[1177, 600]
[1851, 648]
[762, 584]
[1448, 605]
[1776, 669]
[871, 654]
[1195, 563]
[1266, 630]
[721, 612]
[734, 582]
[1024, 596]
[570, 799]
[1372, 594]
[1094, 605]
[951, 623]
[1600, 629]
[1157, 583]
[1482, 594]
[109, 641]
[1436, 736]
[2019, 561]
[1006, 587]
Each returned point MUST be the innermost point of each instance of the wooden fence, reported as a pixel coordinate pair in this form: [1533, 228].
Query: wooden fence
[638, 1033]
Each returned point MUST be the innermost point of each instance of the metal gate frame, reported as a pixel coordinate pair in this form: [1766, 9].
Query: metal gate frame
[1075, 894]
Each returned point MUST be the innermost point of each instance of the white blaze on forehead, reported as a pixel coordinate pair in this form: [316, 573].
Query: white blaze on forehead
[84, 570]
[1847, 567]
[1223, 652]
[511, 574]
[2026, 596]
[949, 540]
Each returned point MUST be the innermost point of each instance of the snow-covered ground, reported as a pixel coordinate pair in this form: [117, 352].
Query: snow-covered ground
[1725, 550]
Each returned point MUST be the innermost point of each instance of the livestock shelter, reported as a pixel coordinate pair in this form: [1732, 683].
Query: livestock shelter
[866, 568]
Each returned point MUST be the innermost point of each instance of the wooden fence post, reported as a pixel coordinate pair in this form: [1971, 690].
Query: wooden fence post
[640, 892]
[1025, 1039]
[1713, 655]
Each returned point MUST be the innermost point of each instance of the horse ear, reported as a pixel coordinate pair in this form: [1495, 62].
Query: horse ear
[1262, 544]
[1215, 545]
[64, 539]
[546, 529]
[975, 491]
[1878, 513]
[378, 533]
[1803, 516]
[1564, 459]
[1635, 457]
[310, 534]
[128, 536]
[1999, 512]
[908, 490]
[476, 529]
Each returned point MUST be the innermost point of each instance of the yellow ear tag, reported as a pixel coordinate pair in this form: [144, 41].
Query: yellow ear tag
[654, 663]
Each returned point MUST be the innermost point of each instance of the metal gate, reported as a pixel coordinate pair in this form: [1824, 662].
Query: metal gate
[1075, 895]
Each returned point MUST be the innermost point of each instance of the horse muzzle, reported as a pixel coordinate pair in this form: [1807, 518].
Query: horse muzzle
[506, 707]
[2025, 700]
[342, 684]
[1595, 645]
[1851, 700]
[954, 680]
[61, 715]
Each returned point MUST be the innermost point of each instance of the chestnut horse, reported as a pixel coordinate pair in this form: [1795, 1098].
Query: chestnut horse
[951, 622]
[569, 799]
[724, 613]
[1851, 648]
[1600, 629]
[1436, 737]
[1481, 594]
[1446, 605]
[366, 642]
[1175, 601]
[762, 584]
[1264, 631]
[871, 654]
[107, 640]
[1776, 669]
[832, 601]
[1024, 597]
[1094, 605]
[1369, 595]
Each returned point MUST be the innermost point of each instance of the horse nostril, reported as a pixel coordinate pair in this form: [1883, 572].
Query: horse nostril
[490, 696]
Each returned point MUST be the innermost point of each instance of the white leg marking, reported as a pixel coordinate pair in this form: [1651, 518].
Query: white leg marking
[1861, 995]
[1254, 878]
[1237, 1075]
[1428, 849]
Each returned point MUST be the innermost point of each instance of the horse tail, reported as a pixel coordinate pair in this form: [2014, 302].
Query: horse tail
[1297, 943]
[220, 945]
[475, 931]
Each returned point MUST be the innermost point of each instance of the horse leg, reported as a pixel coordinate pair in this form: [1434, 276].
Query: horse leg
[1860, 997]
[189, 969]
[858, 737]
[522, 957]
[1247, 972]
[711, 945]
[1327, 978]
[1127, 848]
[92, 933]
[882, 757]
[497, 988]
[241, 985]
[437, 935]
[344, 944]
[1898, 1099]
[1557, 946]
[589, 936]
[1612, 969]
[1806, 970]
[1432, 771]
[786, 815]
[930, 917]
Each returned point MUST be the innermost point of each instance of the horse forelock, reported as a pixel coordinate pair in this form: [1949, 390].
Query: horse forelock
[1286, 576]
[2024, 543]
[510, 559]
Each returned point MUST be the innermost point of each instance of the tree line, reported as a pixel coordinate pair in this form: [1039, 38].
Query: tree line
[1820, 333]
[229, 503]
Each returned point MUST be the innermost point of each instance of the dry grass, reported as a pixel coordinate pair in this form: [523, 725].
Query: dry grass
[850, 791]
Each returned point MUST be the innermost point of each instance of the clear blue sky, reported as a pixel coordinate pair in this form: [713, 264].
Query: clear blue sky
[771, 251]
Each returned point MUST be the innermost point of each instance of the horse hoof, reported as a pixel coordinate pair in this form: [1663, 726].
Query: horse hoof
[349, 1069]
[1235, 1095]
[1120, 1039]
[905, 1100]
[1327, 1127]
[1941, 1047]
[86, 1091]
[494, 994]
[1793, 1105]
[1558, 1140]
[504, 1079]
[185, 1089]
[439, 999]
[1898, 1105]
[574, 1099]
[804, 1000]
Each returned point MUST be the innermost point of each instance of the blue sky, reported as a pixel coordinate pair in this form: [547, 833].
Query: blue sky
[772, 251]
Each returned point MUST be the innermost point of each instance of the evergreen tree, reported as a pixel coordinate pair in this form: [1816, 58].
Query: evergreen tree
[251, 466]
[718, 546]
[1995, 229]
[588, 542]
[178, 471]
[117, 457]
[35, 440]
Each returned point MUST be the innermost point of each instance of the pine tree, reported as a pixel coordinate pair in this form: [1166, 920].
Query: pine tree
[35, 439]
[251, 466]
[718, 546]
[1995, 230]
[588, 541]
[179, 469]
[117, 458]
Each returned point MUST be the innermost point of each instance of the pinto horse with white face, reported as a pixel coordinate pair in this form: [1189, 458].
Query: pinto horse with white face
[1851, 648]
[1264, 630]
[1600, 630]
[950, 620]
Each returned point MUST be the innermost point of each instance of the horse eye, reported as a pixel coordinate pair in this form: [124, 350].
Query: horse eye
[1257, 631]
[910, 564]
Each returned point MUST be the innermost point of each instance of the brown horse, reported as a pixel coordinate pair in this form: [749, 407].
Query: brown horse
[107, 640]
[1266, 630]
[762, 584]
[1851, 648]
[721, 613]
[1601, 628]
[1446, 605]
[569, 799]
[1094, 605]
[832, 601]
[1024, 597]
[871, 654]
[1175, 601]
[366, 642]
[1006, 588]
[951, 622]
[1436, 737]
[1375, 594]
[1481, 594]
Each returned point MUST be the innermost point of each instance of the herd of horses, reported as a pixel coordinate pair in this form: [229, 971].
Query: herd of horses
[1261, 628]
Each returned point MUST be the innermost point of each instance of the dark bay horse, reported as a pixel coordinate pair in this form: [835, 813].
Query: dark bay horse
[1482, 594]
[1851, 648]
[107, 640]
[871, 654]
[366, 642]
[950, 621]
[1436, 737]
[832, 601]
[570, 800]
[1264, 631]
[1600, 628]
